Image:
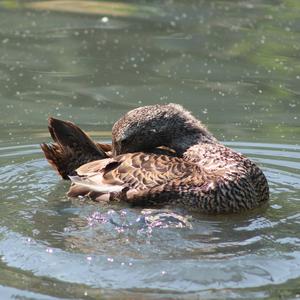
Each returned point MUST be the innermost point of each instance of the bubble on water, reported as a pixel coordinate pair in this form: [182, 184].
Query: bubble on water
[165, 219]
[97, 218]
[276, 206]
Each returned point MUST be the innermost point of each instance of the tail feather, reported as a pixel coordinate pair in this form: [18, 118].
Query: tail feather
[72, 147]
[68, 134]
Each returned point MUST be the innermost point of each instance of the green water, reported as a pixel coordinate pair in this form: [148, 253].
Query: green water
[234, 64]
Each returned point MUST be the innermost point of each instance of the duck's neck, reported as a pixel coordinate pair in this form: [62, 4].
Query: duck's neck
[183, 144]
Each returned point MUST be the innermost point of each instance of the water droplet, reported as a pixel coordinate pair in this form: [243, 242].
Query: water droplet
[104, 19]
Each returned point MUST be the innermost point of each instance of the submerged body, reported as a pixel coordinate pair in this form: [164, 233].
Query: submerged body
[159, 155]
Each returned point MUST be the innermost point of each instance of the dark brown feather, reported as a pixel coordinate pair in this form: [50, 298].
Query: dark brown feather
[72, 147]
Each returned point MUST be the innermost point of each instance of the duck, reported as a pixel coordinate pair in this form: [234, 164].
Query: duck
[160, 155]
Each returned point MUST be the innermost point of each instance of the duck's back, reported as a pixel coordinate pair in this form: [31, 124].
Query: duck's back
[212, 184]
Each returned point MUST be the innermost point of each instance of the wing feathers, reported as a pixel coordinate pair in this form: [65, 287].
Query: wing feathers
[94, 183]
[132, 176]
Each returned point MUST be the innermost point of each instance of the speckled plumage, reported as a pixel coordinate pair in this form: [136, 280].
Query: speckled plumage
[160, 154]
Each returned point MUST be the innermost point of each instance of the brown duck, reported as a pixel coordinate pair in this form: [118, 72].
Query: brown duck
[160, 154]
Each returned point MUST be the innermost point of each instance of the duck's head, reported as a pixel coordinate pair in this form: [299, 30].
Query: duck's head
[147, 127]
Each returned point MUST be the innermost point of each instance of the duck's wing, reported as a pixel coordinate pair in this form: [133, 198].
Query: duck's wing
[71, 147]
[135, 177]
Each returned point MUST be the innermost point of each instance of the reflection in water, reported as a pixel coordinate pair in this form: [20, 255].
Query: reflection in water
[233, 63]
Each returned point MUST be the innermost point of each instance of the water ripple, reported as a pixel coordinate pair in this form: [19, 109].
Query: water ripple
[119, 247]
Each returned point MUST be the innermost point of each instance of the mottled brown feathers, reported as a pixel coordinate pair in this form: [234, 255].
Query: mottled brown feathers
[160, 154]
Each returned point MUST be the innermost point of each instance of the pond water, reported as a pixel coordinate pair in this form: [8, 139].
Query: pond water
[234, 64]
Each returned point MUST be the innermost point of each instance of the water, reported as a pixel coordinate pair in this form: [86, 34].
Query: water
[234, 64]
